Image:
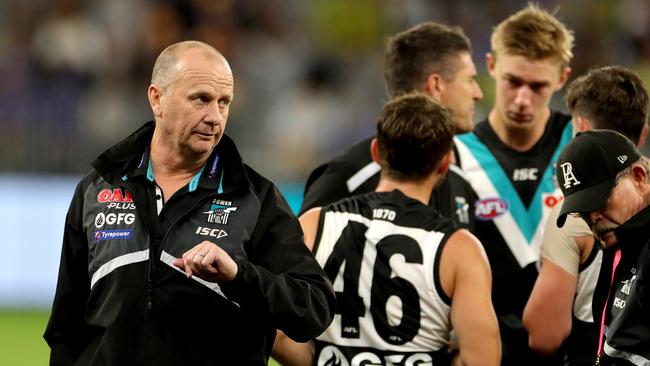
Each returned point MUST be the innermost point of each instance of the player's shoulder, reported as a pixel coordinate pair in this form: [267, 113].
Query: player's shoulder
[456, 176]
[346, 163]
[466, 247]
[358, 152]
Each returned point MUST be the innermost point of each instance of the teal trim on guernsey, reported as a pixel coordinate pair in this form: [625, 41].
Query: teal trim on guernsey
[528, 220]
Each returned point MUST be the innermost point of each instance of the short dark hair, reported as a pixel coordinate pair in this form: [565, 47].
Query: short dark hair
[414, 132]
[612, 98]
[414, 54]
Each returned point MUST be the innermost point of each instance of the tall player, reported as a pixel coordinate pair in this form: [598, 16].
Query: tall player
[509, 160]
[433, 59]
[404, 275]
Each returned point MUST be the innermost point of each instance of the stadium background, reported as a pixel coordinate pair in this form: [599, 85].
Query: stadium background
[73, 76]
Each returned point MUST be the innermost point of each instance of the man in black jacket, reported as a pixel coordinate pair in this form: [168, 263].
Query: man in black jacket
[174, 251]
[606, 180]
[436, 60]
[614, 98]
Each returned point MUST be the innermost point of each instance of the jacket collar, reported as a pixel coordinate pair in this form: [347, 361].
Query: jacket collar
[129, 158]
[636, 230]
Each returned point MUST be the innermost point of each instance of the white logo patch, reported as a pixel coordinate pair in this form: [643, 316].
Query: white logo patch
[569, 179]
[206, 231]
[622, 158]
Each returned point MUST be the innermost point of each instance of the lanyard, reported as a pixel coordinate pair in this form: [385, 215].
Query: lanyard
[617, 259]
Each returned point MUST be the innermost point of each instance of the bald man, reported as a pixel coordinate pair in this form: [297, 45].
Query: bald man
[177, 253]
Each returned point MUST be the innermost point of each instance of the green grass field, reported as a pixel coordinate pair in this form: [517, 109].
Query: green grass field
[21, 338]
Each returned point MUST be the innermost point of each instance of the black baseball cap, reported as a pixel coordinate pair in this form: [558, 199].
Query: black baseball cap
[587, 167]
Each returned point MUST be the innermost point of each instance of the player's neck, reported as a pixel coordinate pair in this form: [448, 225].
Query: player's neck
[519, 137]
[420, 190]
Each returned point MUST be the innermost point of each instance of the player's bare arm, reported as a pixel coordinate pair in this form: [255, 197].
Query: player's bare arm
[467, 279]
[549, 322]
[309, 224]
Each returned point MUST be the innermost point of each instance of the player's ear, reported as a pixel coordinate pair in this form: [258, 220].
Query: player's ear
[445, 162]
[583, 124]
[490, 63]
[374, 150]
[154, 94]
[434, 86]
[564, 76]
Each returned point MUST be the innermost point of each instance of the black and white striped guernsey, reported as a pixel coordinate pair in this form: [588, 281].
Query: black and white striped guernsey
[381, 250]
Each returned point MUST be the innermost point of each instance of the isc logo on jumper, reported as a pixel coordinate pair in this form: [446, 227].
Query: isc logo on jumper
[220, 211]
[101, 235]
[490, 208]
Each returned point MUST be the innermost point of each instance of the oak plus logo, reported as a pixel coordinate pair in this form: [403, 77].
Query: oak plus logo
[114, 195]
[220, 211]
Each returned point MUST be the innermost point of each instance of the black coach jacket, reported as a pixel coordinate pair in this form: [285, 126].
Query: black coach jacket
[627, 317]
[120, 301]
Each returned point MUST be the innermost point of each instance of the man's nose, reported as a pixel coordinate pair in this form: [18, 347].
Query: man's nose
[523, 96]
[214, 114]
[478, 94]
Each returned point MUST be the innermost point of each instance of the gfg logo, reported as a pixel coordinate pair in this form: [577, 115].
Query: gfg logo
[490, 208]
[112, 218]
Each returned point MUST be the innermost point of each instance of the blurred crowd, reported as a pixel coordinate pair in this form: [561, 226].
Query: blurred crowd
[308, 74]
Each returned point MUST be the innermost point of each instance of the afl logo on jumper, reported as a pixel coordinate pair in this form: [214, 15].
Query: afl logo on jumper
[490, 208]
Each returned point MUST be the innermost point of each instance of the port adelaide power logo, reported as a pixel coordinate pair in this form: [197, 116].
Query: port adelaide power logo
[220, 211]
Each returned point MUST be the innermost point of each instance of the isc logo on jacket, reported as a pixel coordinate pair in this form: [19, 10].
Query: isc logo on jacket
[207, 231]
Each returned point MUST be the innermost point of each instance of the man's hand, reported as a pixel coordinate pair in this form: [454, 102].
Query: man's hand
[208, 262]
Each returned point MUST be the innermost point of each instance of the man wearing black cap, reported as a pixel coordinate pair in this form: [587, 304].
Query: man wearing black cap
[613, 98]
[605, 180]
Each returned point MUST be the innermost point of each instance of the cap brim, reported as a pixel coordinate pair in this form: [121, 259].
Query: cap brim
[585, 200]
